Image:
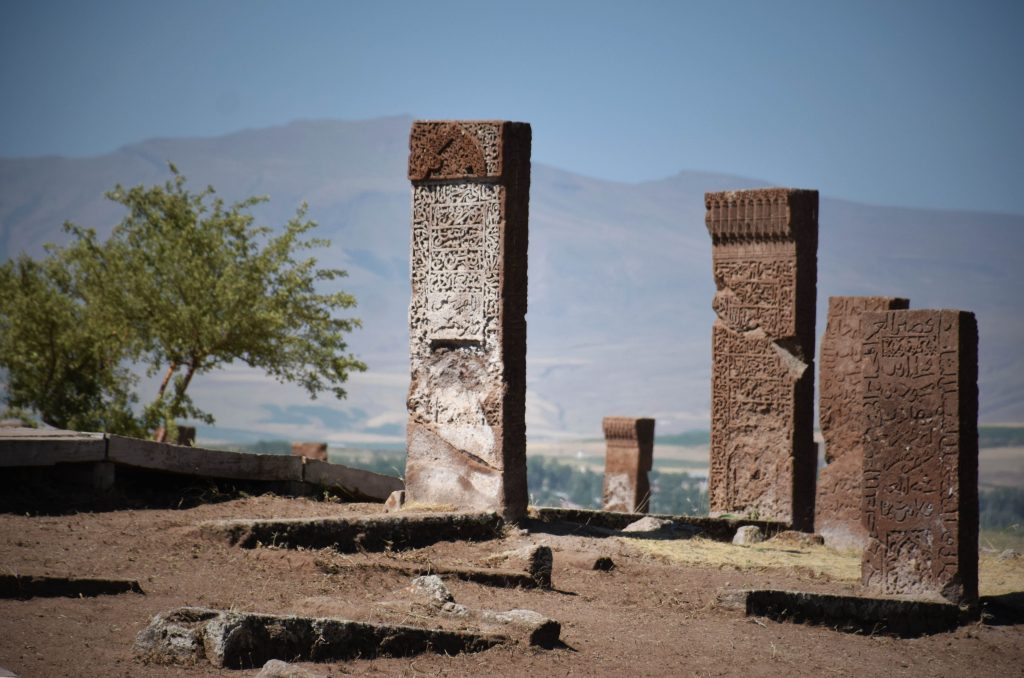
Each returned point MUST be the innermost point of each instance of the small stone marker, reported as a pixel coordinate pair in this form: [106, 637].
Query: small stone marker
[539, 564]
[747, 535]
[467, 325]
[316, 451]
[837, 510]
[764, 254]
[920, 497]
[629, 456]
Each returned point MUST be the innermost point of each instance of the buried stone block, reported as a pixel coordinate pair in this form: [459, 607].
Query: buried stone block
[629, 455]
[764, 257]
[920, 483]
[837, 512]
[527, 626]
[467, 325]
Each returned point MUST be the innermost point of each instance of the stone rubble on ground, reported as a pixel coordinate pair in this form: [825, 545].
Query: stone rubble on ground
[648, 524]
[275, 668]
[747, 535]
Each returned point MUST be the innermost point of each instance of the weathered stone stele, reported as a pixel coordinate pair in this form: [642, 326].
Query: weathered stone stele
[628, 458]
[837, 510]
[764, 255]
[920, 497]
[467, 324]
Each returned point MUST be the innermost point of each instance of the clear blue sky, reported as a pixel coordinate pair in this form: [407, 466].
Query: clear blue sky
[906, 103]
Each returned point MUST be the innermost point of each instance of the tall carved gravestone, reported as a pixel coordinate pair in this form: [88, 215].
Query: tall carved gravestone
[764, 254]
[837, 509]
[920, 496]
[629, 455]
[467, 324]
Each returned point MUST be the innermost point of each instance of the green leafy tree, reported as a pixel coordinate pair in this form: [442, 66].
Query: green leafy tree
[190, 284]
[61, 363]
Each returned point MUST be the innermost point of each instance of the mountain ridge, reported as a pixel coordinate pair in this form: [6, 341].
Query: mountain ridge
[620, 273]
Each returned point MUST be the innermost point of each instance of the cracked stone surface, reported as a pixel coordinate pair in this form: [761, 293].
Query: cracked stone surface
[467, 326]
[837, 511]
[764, 258]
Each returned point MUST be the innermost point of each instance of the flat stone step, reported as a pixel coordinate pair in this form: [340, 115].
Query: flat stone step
[23, 587]
[905, 618]
[242, 640]
[718, 529]
[356, 533]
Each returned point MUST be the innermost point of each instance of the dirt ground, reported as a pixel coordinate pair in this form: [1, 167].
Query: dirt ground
[653, 615]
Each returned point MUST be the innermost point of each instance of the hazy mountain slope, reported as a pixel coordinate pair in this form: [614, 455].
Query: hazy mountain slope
[620, 275]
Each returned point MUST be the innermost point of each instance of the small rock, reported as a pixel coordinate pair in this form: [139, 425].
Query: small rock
[455, 610]
[395, 501]
[747, 535]
[1008, 554]
[275, 668]
[433, 588]
[647, 524]
[604, 564]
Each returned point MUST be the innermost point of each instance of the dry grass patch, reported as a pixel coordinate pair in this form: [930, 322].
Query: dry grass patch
[997, 575]
[817, 561]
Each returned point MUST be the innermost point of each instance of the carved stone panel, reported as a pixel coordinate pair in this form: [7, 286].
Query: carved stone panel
[764, 257]
[630, 453]
[920, 497]
[837, 514]
[467, 426]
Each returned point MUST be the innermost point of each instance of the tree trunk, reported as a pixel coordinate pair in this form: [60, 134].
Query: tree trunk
[160, 434]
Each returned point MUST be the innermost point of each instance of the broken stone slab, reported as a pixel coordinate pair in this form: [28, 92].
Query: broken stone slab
[529, 626]
[230, 639]
[532, 627]
[906, 618]
[22, 587]
[275, 668]
[352, 483]
[356, 533]
[719, 529]
[37, 447]
[747, 535]
[146, 454]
